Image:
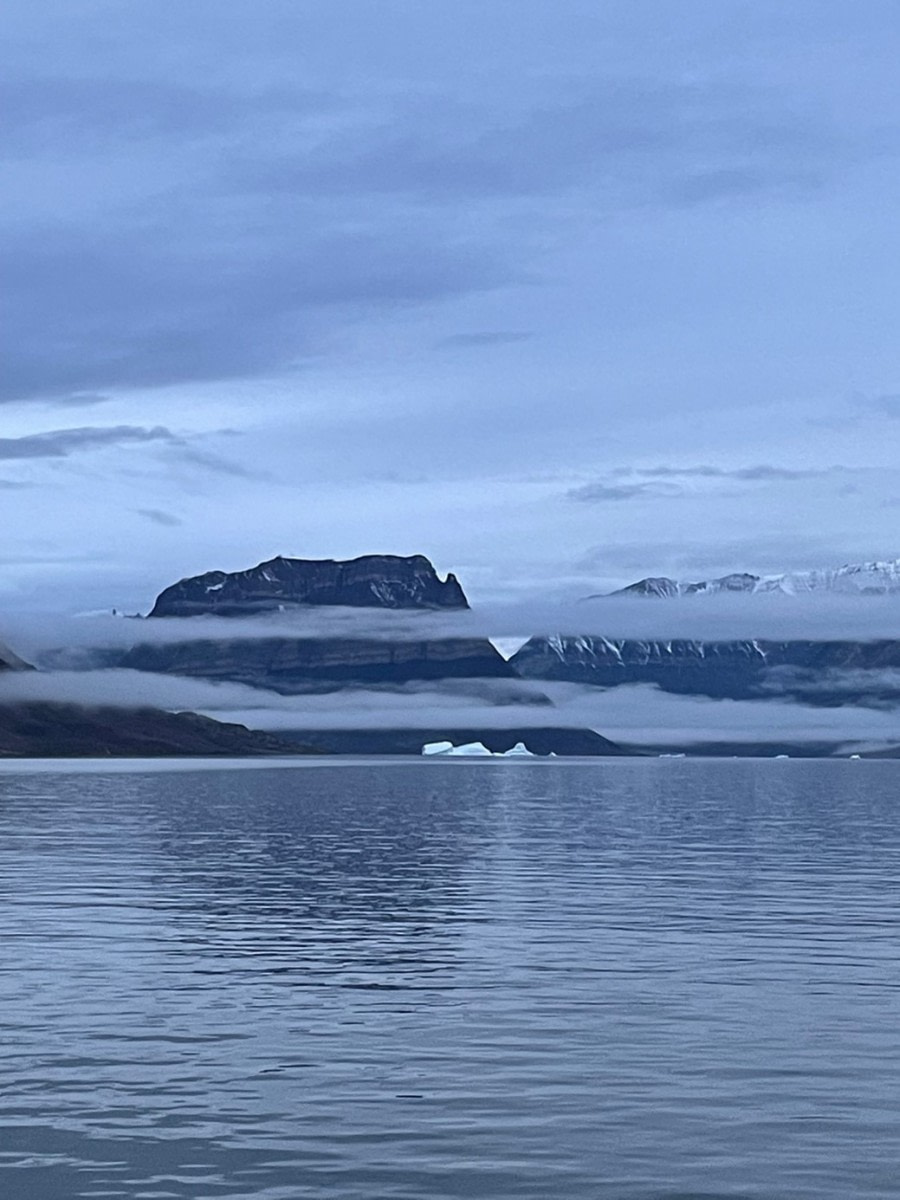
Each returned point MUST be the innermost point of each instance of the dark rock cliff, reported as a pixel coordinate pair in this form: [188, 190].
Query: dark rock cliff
[289, 665]
[372, 581]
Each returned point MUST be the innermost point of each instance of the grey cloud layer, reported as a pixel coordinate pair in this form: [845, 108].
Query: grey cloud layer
[232, 222]
[487, 252]
[637, 714]
[765, 616]
[60, 443]
[159, 517]
[667, 481]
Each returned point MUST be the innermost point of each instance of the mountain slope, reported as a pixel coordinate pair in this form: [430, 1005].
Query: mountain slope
[50, 730]
[831, 672]
[867, 579]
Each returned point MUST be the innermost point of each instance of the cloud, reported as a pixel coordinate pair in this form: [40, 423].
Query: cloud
[597, 493]
[665, 481]
[159, 517]
[761, 472]
[227, 230]
[483, 338]
[220, 465]
[181, 291]
[631, 141]
[637, 714]
[80, 400]
[60, 443]
[887, 404]
[90, 112]
[763, 616]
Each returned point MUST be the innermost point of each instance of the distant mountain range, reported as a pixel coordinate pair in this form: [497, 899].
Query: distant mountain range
[867, 579]
[817, 672]
[821, 673]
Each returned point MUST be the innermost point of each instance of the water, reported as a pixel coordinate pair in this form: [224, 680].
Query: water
[654, 980]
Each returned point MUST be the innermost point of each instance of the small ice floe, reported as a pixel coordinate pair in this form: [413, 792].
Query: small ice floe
[782, 756]
[855, 755]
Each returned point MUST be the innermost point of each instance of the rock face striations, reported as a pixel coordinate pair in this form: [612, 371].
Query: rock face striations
[289, 664]
[293, 665]
[372, 581]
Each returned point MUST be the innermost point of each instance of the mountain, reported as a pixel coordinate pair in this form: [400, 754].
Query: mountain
[9, 661]
[287, 664]
[51, 730]
[662, 586]
[830, 672]
[372, 581]
[867, 579]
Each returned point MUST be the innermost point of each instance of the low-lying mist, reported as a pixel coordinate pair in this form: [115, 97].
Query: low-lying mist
[638, 714]
[767, 616]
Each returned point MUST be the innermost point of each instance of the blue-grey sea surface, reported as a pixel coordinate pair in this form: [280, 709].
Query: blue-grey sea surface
[640, 980]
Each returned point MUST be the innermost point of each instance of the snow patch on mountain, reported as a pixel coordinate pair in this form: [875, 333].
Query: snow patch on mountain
[862, 579]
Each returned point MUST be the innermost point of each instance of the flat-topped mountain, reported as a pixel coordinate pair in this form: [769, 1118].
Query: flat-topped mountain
[372, 581]
[288, 664]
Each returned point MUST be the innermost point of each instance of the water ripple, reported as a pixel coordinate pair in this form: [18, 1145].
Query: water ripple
[640, 981]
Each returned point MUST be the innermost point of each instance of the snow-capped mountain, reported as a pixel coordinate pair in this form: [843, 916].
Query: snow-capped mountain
[862, 579]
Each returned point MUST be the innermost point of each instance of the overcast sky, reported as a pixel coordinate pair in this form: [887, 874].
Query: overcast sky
[559, 294]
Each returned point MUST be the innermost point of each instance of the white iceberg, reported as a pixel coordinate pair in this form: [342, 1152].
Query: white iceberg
[467, 750]
[477, 749]
[437, 747]
[518, 749]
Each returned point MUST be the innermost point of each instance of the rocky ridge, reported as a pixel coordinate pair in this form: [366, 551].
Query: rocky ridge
[868, 579]
[371, 581]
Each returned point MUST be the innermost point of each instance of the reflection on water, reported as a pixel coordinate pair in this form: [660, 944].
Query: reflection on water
[632, 980]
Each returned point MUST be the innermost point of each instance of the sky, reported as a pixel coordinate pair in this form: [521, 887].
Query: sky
[560, 295]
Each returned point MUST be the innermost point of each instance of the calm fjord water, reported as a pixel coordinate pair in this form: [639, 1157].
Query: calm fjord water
[651, 980]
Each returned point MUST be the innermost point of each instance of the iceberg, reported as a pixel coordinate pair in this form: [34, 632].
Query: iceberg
[475, 749]
[518, 750]
[437, 747]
